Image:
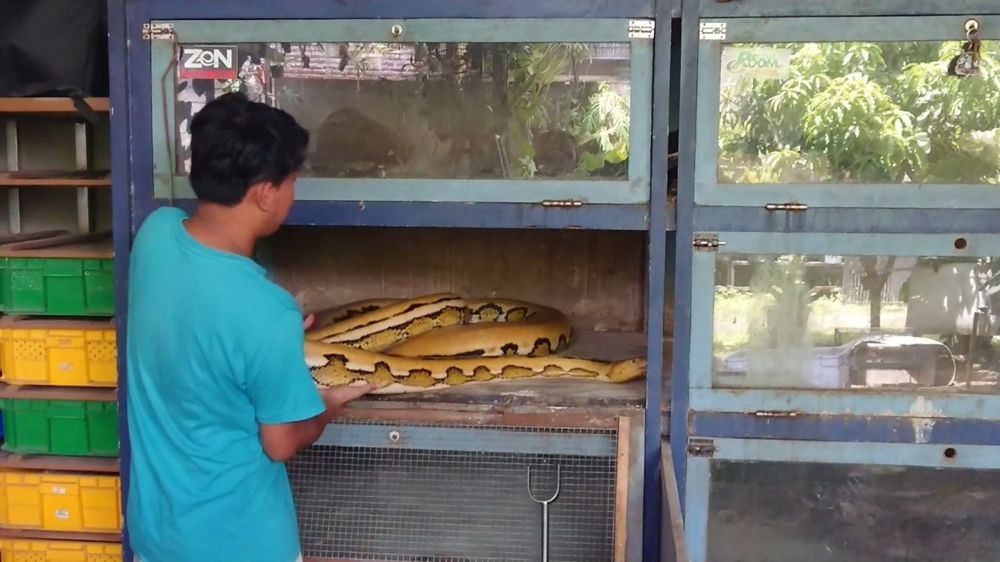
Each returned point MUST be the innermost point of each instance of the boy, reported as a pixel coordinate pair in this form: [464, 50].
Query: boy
[219, 393]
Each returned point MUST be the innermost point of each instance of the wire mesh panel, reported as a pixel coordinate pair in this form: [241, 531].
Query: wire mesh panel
[381, 503]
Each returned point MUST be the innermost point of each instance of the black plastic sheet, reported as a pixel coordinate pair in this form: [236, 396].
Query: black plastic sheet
[53, 48]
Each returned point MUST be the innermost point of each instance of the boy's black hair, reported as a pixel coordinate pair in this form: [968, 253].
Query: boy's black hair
[237, 143]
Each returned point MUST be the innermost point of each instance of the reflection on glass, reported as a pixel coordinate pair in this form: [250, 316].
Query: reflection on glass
[770, 512]
[438, 110]
[840, 322]
[858, 113]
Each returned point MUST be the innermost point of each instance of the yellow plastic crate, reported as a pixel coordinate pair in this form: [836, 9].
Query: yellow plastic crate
[60, 502]
[58, 551]
[58, 352]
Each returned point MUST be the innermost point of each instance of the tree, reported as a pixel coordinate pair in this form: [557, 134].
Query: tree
[865, 113]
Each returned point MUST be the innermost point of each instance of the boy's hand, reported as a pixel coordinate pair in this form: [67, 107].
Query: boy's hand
[335, 398]
[307, 322]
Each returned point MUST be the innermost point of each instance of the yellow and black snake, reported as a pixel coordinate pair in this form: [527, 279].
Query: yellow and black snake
[443, 341]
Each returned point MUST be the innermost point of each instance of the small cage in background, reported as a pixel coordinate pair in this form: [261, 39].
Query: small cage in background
[372, 491]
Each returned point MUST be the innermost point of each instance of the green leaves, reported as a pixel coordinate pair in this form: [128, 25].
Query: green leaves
[594, 114]
[873, 112]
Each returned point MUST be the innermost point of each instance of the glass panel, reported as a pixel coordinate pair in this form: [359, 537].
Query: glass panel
[858, 113]
[771, 511]
[431, 110]
[812, 322]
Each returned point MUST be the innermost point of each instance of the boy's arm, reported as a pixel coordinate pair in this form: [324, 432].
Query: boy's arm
[282, 441]
[291, 413]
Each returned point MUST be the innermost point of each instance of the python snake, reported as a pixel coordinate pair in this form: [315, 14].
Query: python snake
[443, 341]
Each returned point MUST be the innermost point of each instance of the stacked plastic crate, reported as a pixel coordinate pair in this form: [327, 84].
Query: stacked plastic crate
[59, 483]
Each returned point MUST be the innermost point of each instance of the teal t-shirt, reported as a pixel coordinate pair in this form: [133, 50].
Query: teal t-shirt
[214, 349]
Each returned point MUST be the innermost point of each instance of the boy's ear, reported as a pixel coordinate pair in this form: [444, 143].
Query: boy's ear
[261, 195]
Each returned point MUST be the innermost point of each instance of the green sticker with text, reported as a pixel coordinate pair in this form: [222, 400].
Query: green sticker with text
[755, 63]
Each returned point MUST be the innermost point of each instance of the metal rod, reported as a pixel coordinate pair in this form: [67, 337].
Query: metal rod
[545, 532]
[545, 509]
[973, 335]
[83, 160]
[13, 165]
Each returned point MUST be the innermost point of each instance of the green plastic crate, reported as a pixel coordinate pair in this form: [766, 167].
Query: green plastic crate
[57, 286]
[60, 427]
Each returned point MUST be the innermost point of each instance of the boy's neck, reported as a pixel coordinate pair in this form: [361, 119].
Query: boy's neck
[222, 228]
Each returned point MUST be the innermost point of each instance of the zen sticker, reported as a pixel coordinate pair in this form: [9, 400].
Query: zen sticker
[62, 514]
[754, 63]
[216, 62]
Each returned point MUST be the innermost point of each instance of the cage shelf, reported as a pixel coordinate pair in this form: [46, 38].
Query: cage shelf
[58, 178]
[28, 392]
[25, 534]
[49, 106]
[59, 463]
[95, 246]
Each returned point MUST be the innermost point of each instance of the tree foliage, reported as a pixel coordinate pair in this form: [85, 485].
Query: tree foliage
[865, 113]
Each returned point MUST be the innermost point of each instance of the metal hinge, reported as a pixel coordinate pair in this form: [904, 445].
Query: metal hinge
[641, 29]
[158, 32]
[562, 203]
[776, 413]
[707, 242]
[712, 31]
[701, 447]
[790, 207]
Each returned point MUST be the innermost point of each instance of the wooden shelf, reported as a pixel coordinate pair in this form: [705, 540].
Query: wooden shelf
[63, 178]
[96, 245]
[26, 534]
[28, 392]
[49, 106]
[28, 322]
[29, 236]
[106, 465]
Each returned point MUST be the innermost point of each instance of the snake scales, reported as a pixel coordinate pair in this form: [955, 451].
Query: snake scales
[443, 341]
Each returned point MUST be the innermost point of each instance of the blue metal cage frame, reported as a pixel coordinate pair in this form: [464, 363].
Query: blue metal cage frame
[752, 424]
[633, 190]
[733, 424]
[710, 192]
[699, 482]
[133, 164]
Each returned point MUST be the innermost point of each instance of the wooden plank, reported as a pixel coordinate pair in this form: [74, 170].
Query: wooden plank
[27, 392]
[50, 106]
[495, 418]
[58, 178]
[58, 241]
[105, 465]
[590, 420]
[569, 393]
[18, 322]
[513, 409]
[594, 277]
[97, 245]
[621, 487]
[27, 236]
[27, 534]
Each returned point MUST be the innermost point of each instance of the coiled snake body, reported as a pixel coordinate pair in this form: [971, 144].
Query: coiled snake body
[442, 341]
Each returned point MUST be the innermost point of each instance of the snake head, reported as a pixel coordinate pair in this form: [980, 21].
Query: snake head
[627, 370]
